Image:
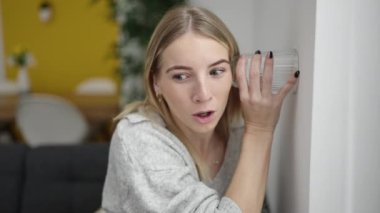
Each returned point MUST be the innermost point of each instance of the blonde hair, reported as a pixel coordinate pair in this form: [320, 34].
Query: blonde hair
[175, 23]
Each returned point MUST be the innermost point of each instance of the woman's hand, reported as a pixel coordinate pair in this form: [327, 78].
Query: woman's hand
[261, 108]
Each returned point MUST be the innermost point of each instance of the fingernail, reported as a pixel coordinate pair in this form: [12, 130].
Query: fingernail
[270, 54]
[297, 74]
[258, 52]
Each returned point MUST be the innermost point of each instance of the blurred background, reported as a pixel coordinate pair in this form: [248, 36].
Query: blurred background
[72, 65]
[60, 48]
[72, 43]
[88, 53]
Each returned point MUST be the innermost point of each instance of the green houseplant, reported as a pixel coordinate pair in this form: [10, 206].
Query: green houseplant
[22, 59]
[136, 20]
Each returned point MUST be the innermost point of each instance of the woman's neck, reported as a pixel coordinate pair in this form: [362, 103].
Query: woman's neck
[210, 148]
[203, 143]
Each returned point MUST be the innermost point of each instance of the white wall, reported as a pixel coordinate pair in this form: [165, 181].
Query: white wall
[365, 128]
[238, 16]
[290, 24]
[344, 171]
[330, 134]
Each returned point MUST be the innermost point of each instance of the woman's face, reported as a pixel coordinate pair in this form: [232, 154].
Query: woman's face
[195, 79]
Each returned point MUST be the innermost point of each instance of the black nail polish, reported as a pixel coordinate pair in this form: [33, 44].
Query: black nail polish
[257, 52]
[270, 54]
[297, 74]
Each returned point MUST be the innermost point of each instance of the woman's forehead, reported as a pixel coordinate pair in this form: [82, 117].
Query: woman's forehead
[192, 47]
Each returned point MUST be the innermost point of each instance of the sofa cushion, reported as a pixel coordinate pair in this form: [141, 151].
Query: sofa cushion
[65, 179]
[12, 159]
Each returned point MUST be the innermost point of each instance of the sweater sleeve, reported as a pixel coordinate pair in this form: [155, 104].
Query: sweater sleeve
[148, 172]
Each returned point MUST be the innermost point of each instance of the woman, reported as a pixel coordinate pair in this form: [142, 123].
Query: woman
[183, 149]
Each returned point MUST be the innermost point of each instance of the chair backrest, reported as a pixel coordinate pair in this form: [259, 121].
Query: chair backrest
[47, 119]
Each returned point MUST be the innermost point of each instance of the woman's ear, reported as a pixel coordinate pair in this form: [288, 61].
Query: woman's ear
[156, 87]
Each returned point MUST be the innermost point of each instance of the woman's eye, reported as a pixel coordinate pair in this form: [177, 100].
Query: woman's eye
[180, 77]
[217, 71]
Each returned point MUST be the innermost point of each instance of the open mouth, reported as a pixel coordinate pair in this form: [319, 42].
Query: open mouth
[204, 117]
[204, 114]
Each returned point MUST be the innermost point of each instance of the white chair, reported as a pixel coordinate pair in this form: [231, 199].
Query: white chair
[47, 119]
[96, 86]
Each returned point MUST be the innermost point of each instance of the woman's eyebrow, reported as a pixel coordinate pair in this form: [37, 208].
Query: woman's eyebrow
[219, 62]
[178, 67]
[182, 67]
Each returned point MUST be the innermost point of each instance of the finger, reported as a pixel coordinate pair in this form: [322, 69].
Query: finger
[254, 75]
[268, 75]
[288, 85]
[241, 77]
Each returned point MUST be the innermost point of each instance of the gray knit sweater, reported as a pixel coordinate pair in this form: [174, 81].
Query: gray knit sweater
[150, 170]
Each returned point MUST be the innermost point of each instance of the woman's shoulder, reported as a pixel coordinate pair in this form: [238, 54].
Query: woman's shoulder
[141, 116]
[137, 123]
[138, 126]
[148, 140]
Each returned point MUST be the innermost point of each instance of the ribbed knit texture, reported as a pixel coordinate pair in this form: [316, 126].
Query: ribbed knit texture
[150, 170]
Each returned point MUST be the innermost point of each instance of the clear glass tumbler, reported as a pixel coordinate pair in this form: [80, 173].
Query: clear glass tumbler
[285, 63]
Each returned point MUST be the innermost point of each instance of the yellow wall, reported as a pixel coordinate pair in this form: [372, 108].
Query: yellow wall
[74, 45]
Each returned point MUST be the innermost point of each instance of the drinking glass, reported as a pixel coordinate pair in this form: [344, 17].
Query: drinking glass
[285, 63]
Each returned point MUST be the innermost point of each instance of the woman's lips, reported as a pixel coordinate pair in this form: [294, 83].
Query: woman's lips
[204, 117]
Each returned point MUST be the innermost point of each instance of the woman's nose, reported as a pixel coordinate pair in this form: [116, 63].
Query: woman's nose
[202, 92]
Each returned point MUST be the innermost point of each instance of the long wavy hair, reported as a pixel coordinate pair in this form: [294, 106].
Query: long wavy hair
[175, 23]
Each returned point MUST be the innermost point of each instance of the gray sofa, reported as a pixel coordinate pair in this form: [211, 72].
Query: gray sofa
[59, 179]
